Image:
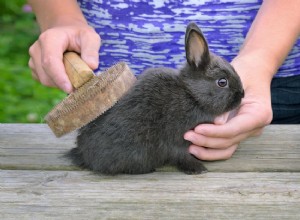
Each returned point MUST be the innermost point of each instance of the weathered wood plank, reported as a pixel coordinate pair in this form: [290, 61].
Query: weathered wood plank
[170, 195]
[63, 194]
[33, 146]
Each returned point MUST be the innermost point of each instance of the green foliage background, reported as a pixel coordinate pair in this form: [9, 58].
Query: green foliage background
[22, 100]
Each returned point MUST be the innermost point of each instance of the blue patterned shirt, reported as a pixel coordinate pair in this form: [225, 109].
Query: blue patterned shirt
[150, 33]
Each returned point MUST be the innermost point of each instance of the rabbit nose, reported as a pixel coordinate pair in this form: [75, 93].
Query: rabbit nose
[242, 93]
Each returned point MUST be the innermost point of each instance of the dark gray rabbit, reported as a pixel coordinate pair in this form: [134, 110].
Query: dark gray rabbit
[145, 129]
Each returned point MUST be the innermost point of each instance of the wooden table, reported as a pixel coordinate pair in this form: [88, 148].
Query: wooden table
[261, 181]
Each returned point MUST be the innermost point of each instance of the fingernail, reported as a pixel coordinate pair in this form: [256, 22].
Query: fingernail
[198, 129]
[67, 88]
[193, 151]
[188, 136]
[92, 61]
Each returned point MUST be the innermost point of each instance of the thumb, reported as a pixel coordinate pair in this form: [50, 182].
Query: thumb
[222, 119]
[90, 45]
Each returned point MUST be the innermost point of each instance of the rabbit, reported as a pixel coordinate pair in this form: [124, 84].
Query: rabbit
[144, 130]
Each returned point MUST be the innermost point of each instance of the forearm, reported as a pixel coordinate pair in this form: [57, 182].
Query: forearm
[58, 13]
[272, 35]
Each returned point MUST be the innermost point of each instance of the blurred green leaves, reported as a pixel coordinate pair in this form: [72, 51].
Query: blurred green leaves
[22, 100]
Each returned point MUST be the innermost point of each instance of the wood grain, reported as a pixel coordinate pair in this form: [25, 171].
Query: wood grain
[33, 146]
[77, 70]
[260, 182]
[169, 195]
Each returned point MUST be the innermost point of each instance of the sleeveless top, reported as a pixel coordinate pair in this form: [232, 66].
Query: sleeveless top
[150, 33]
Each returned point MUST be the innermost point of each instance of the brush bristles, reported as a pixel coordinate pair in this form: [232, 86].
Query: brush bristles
[90, 100]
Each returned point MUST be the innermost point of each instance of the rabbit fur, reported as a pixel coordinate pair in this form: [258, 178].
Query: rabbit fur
[145, 129]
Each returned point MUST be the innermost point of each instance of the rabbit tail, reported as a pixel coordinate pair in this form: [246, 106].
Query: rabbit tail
[76, 157]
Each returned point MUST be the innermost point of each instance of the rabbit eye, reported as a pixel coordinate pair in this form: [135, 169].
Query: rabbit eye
[222, 82]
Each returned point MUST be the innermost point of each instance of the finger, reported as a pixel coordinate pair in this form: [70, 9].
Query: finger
[218, 142]
[37, 71]
[209, 154]
[33, 72]
[222, 119]
[52, 50]
[241, 123]
[44, 79]
[90, 44]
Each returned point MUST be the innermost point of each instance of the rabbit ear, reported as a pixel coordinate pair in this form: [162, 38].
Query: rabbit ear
[197, 53]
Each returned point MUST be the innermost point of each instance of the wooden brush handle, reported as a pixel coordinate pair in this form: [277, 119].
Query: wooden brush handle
[78, 71]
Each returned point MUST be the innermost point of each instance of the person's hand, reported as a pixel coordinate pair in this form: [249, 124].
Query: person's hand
[46, 54]
[219, 141]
